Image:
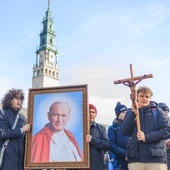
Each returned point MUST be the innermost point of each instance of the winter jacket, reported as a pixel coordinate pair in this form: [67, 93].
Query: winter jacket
[14, 154]
[98, 144]
[118, 142]
[155, 127]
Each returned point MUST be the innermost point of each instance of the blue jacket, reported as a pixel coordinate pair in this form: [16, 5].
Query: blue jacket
[14, 154]
[98, 144]
[118, 142]
[155, 128]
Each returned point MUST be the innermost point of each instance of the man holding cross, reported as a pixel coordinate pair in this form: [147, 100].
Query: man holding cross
[146, 149]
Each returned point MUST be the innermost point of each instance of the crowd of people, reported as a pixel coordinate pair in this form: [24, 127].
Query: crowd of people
[122, 147]
[147, 149]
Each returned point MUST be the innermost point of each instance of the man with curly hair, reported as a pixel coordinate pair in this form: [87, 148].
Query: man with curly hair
[13, 157]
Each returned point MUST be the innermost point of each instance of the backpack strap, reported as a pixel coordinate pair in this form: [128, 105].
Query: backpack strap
[4, 146]
[155, 113]
[115, 127]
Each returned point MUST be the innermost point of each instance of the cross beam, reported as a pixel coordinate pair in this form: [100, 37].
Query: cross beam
[134, 79]
[131, 83]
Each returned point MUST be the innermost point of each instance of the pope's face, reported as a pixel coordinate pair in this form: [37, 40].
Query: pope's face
[59, 116]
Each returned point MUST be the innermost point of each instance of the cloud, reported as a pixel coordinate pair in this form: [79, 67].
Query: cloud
[144, 18]
[105, 108]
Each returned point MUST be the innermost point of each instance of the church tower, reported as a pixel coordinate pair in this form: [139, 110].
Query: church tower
[46, 70]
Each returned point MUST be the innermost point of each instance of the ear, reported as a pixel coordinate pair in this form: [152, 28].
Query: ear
[49, 116]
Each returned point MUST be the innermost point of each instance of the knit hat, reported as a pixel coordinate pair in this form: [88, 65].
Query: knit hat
[120, 108]
[163, 106]
[91, 106]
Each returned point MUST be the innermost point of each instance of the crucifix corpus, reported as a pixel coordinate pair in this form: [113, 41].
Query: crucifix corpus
[131, 83]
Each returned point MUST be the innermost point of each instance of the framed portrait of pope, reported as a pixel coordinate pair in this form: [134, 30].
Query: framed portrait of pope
[59, 123]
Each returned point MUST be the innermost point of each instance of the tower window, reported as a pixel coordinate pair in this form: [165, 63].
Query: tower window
[56, 75]
[43, 41]
[51, 41]
[34, 73]
[45, 26]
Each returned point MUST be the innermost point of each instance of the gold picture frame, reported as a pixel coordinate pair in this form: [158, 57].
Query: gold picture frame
[39, 102]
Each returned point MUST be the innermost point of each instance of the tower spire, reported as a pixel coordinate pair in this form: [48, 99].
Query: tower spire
[46, 70]
[48, 3]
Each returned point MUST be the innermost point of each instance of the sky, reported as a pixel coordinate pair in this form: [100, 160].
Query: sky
[97, 40]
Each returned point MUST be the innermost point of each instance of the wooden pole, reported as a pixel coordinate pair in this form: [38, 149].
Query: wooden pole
[134, 99]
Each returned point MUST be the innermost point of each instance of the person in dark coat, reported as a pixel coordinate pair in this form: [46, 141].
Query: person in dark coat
[13, 157]
[118, 142]
[146, 149]
[98, 141]
[165, 109]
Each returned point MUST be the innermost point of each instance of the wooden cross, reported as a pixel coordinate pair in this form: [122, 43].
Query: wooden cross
[131, 83]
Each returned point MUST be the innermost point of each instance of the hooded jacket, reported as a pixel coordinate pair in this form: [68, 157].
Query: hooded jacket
[118, 142]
